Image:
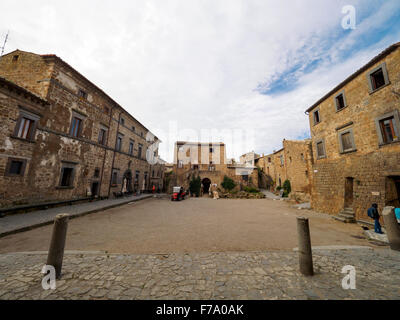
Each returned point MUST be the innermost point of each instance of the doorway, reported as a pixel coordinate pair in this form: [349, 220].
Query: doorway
[392, 191]
[206, 185]
[348, 192]
[95, 189]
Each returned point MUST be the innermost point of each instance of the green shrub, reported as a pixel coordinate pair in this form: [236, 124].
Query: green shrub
[195, 185]
[251, 190]
[228, 184]
[286, 188]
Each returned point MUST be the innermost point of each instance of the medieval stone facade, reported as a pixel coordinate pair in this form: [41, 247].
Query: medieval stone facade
[355, 132]
[72, 139]
[293, 162]
[208, 161]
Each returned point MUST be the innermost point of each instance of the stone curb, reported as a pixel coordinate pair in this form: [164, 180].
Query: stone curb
[349, 247]
[72, 216]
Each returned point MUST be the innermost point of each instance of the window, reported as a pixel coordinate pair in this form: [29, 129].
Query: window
[180, 164]
[387, 127]
[15, 58]
[302, 156]
[321, 149]
[114, 177]
[195, 167]
[387, 130]
[106, 110]
[245, 177]
[340, 101]
[152, 174]
[118, 146]
[82, 94]
[67, 174]
[346, 141]
[141, 134]
[96, 173]
[133, 128]
[317, 118]
[131, 144]
[76, 124]
[122, 121]
[15, 167]
[25, 128]
[140, 150]
[282, 160]
[26, 125]
[102, 136]
[211, 150]
[377, 78]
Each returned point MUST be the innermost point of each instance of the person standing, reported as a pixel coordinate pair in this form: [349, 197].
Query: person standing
[374, 214]
[397, 213]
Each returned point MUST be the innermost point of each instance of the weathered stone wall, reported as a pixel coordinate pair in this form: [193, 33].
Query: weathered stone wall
[55, 81]
[370, 164]
[199, 154]
[298, 163]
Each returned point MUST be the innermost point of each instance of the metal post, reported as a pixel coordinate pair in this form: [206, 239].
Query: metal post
[305, 253]
[57, 245]
[392, 228]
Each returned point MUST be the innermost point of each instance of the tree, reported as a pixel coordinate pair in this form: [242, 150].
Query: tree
[228, 184]
[195, 185]
[286, 188]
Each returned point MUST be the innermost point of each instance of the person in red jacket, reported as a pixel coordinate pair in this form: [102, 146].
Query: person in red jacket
[154, 188]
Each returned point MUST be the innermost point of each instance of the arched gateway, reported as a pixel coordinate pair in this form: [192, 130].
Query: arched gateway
[206, 185]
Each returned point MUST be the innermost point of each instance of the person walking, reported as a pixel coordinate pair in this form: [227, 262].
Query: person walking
[374, 214]
[154, 189]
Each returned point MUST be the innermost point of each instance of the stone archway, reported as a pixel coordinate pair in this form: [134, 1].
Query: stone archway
[206, 185]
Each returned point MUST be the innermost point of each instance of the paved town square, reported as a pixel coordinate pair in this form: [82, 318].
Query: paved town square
[200, 150]
[158, 249]
[159, 225]
[237, 275]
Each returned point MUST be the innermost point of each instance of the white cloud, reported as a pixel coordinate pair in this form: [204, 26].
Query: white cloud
[197, 62]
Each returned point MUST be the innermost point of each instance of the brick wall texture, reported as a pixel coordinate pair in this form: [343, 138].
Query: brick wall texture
[52, 146]
[372, 168]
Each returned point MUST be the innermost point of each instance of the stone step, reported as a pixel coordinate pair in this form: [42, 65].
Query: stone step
[346, 216]
[345, 219]
[349, 210]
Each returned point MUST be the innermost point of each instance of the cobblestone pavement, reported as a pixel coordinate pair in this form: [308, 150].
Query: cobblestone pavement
[20, 222]
[245, 275]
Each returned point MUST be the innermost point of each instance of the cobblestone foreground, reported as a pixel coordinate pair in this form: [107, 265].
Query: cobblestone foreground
[244, 275]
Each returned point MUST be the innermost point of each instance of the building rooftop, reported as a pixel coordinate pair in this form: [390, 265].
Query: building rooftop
[59, 60]
[376, 59]
[28, 94]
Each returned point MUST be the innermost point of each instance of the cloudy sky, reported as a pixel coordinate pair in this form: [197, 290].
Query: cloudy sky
[208, 70]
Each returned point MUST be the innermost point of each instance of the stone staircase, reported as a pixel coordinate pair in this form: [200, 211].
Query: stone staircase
[346, 215]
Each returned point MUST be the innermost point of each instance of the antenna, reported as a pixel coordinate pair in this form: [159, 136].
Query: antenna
[4, 44]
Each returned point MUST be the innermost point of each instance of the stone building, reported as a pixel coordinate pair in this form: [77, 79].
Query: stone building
[209, 162]
[355, 132]
[294, 163]
[63, 138]
[248, 158]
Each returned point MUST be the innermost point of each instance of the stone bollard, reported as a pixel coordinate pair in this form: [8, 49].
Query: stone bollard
[392, 228]
[56, 251]
[305, 253]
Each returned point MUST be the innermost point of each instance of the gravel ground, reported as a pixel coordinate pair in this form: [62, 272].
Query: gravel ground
[192, 225]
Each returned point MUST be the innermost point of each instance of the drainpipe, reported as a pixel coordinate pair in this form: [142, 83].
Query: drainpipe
[105, 151]
[112, 165]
